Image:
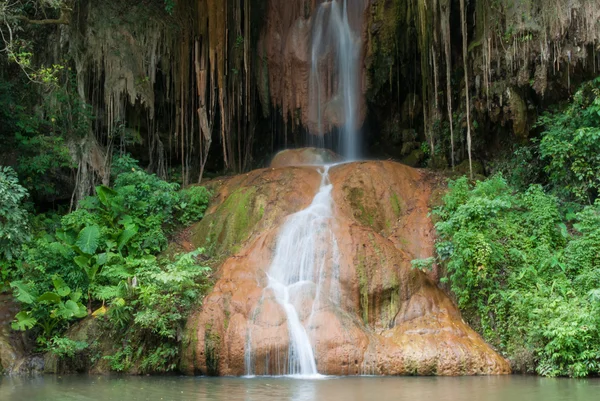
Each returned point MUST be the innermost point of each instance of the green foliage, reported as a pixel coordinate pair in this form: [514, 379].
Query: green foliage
[170, 6]
[39, 132]
[570, 145]
[423, 264]
[64, 347]
[107, 249]
[123, 164]
[14, 229]
[155, 309]
[521, 276]
[49, 311]
[194, 201]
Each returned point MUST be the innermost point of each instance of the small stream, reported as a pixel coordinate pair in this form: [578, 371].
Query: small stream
[105, 388]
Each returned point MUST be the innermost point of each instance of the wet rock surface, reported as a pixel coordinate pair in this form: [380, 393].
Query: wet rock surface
[390, 318]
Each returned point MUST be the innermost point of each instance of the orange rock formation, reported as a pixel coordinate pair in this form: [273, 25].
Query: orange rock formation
[392, 319]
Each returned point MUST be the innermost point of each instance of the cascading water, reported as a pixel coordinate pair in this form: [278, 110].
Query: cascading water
[304, 275]
[334, 41]
[305, 248]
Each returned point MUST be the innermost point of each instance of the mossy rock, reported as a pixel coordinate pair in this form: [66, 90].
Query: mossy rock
[463, 168]
[249, 204]
[8, 357]
[414, 159]
[221, 233]
[91, 359]
[365, 212]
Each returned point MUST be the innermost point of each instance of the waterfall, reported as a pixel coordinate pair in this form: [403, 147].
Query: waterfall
[306, 247]
[333, 38]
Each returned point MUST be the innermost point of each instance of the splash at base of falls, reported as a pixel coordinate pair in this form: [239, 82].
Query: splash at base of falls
[306, 262]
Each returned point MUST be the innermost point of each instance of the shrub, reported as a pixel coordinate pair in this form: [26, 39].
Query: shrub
[105, 253]
[570, 145]
[14, 229]
[525, 280]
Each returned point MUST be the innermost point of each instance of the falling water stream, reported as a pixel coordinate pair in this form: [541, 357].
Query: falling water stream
[333, 36]
[305, 264]
[304, 274]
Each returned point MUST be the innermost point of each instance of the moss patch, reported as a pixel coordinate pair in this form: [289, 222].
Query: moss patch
[363, 285]
[222, 232]
[366, 214]
[397, 204]
[212, 344]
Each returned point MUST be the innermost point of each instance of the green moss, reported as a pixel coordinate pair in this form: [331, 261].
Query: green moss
[365, 214]
[227, 314]
[363, 283]
[212, 344]
[189, 342]
[414, 159]
[396, 204]
[222, 232]
[384, 42]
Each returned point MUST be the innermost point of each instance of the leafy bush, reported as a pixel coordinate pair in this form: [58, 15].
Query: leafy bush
[50, 310]
[521, 276]
[570, 145]
[123, 164]
[64, 347]
[107, 250]
[14, 229]
[155, 309]
[193, 205]
[38, 130]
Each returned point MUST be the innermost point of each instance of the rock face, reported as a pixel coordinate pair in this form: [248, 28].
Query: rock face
[13, 358]
[286, 46]
[391, 319]
[304, 156]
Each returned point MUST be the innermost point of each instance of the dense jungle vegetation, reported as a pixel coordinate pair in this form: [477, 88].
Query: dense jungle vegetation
[522, 247]
[96, 176]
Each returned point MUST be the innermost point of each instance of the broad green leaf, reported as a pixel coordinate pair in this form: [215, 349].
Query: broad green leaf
[91, 272]
[76, 296]
[105, 194]
[101, 259]
[49, 297]
[23, 321]
[65, 237]
[82, 261]
[76, 309]
[126, 220]
[88, 238]
[129, 232]
[23, 295]
[61, 287]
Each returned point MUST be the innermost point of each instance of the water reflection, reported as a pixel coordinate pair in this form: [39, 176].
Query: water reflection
[105, 388]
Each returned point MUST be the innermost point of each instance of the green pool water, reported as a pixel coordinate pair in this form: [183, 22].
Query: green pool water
[105, 388]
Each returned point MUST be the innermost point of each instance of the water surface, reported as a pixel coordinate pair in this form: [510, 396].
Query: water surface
[105, 388]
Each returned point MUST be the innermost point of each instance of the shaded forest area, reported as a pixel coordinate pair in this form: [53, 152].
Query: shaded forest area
[189, 87]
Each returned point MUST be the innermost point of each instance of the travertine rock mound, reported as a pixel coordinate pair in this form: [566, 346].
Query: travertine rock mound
[392, 319]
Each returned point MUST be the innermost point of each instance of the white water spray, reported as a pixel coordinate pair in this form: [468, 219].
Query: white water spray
[333, 37]
[306, 246]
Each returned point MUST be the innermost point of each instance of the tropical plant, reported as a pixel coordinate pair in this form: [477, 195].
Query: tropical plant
[525, 279]
[570, 145]
[14, 229]
[48, 311]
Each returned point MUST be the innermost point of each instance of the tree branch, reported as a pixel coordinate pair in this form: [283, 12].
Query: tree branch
[63, 19]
